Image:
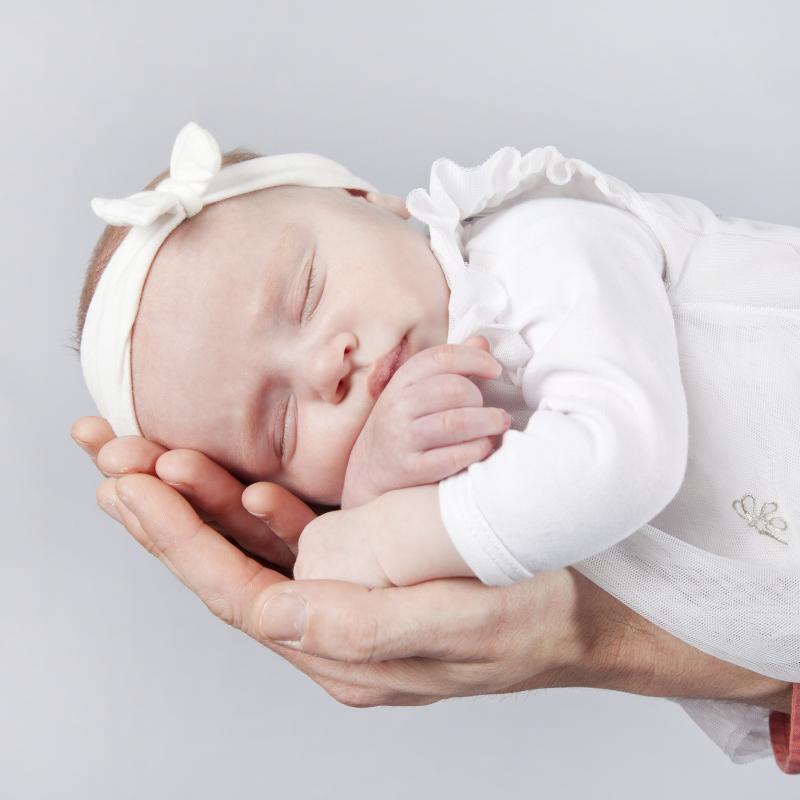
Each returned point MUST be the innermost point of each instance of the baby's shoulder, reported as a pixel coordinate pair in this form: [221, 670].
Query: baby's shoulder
[526, 221]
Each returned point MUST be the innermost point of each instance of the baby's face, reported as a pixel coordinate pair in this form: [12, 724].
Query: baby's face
[232, 356]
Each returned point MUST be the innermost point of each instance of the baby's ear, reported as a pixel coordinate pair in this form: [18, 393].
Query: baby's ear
[388, 201]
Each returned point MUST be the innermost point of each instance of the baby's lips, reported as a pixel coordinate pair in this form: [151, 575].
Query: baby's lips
[385, 368]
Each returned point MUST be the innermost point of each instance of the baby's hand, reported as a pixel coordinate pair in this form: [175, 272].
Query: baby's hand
[428, 423]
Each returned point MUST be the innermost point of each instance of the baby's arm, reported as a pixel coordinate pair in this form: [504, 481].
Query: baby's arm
[428, 423]
[397, 539]
[606, 447]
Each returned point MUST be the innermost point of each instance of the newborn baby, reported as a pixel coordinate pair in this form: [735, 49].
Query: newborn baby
[267, 329]
[294, 334]
[293, 327]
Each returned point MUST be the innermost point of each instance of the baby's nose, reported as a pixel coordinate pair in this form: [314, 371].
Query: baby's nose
[329, 368]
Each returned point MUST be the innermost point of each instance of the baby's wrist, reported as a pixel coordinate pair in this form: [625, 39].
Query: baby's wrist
[412, 543]
[356, 491]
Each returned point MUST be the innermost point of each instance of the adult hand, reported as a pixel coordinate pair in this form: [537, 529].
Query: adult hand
[394, 646]
[405, 646]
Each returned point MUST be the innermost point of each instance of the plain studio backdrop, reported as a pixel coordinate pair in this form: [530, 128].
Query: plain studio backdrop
[116, 682]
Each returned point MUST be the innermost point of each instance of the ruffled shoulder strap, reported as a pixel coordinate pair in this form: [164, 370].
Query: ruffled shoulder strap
[459, 194]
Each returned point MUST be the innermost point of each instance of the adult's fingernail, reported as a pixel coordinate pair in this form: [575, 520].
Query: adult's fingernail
[83, 445]
[109, 506]
[283, 618]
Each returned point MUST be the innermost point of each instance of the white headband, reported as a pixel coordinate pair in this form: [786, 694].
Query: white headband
[195, 180]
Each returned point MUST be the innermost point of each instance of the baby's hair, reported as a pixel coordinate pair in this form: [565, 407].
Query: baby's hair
[110, 240]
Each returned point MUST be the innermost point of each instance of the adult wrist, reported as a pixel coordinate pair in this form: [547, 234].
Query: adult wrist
[607, 645]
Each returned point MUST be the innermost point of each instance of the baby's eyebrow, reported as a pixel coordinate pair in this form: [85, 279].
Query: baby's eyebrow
[277, 280]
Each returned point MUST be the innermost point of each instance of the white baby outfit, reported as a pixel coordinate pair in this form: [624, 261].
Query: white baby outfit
[651, 354]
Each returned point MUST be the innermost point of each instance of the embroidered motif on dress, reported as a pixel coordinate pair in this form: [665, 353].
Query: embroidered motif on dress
[763, 523]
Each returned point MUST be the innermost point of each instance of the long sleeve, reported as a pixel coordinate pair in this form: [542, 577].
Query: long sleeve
[605, 446]
[700, 569]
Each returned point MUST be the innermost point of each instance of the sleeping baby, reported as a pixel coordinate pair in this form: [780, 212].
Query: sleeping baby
[507, 392]
[493, 397]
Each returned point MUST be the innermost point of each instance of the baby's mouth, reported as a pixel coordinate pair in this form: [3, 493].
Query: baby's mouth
[385, 367]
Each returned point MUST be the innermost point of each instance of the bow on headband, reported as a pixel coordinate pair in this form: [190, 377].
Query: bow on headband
[196, 179]
[195, 160]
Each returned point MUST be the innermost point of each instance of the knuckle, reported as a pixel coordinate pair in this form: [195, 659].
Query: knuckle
[407, 461]
[474, 395]
[456, 461]
[359, 639]
[453, 388]
[402, 406]
[150, 548]
[225, 610]
[454, 422]
[480, 448]
[444, 354]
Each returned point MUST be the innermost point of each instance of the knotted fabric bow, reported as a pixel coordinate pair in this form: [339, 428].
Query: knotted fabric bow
[195, 180]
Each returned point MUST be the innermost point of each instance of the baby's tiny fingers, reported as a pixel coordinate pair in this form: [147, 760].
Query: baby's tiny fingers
[478, 341]
[458, 425]
[446, 461]
[458, 358]
[440, 393]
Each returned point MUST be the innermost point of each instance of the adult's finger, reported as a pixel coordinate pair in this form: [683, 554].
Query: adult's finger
[474, 659]
[214, 491]
[126, 454]
[113, 455]
[221, 575]
[448, 619]
[90, 434]
[285, 513]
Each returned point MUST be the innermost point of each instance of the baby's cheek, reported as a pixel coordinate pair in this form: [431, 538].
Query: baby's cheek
[318, 473]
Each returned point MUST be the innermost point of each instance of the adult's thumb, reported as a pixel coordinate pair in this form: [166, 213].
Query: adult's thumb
[347, 622]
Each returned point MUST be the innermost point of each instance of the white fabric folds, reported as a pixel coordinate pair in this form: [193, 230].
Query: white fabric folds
[195, 181]
[719, 567]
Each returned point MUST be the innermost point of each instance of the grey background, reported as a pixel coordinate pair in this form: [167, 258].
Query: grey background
[114, 680]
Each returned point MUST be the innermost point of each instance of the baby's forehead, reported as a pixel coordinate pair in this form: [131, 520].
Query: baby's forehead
[232, 253]
[223, 236]
[246, 242]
